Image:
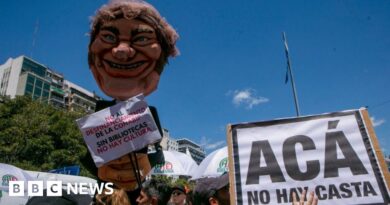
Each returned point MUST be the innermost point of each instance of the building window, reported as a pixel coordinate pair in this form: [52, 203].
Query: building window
[37, 91]
[29, 88]
[46, 87]
[38, 83]
[30, 80]
[45, 94]
[4, 81]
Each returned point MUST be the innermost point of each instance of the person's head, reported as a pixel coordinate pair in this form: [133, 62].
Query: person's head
[179, 195]
[129, 46]
[154, 192]
[118, 197]
[213, 191]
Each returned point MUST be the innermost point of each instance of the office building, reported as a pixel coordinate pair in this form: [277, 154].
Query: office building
[197, 153]
[172, 144]
[24, 76]
[168, 143]
[78, 98]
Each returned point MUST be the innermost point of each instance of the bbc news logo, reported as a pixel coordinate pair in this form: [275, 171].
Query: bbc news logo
[55, 188]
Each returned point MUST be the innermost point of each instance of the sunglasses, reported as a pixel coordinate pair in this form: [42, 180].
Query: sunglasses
[176, 193]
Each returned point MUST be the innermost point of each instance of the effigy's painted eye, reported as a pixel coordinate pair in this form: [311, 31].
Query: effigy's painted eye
[109, 37]
[142, 40]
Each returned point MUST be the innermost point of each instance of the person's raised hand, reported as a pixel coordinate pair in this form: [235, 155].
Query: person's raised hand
[312, 200]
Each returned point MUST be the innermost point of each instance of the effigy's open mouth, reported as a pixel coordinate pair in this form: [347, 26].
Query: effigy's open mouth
[130, 66]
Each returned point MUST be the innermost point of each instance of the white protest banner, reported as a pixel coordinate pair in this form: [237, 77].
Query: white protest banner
[115, 131]
[336, 155]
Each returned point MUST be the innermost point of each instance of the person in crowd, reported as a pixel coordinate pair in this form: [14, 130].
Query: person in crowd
[179, 195]
[118, 197]
[212, 191]
[154, 192]
[130, 43]
[190, 198]
[215, 191]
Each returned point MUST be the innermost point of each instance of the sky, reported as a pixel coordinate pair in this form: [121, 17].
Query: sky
[232, 65]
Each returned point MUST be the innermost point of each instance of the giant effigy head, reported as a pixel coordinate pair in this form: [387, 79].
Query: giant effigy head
[129, 46]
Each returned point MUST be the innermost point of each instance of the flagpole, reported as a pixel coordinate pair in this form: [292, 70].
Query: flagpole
[290, 73]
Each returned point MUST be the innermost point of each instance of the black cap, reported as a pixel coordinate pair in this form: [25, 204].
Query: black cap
[179, 187]
[207, 187]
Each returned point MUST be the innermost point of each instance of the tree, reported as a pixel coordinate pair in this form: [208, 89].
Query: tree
[37, 136]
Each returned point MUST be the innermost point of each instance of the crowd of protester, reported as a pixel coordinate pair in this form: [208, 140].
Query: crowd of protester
[204, 191]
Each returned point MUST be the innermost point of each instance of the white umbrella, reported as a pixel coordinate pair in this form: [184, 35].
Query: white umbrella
[11, 173]
[188, 163]
[64, 178]
[171, 167]
[214, 165]
[6, 199]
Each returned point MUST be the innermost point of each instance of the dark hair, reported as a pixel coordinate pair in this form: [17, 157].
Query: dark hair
[190, 197]
[208, 187]
[142, 11]
[157, 188]
[202, 198]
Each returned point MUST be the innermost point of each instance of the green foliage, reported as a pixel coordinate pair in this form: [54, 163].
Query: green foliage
[175, 181]
[163, 178]
[190, 184]
[37, 136]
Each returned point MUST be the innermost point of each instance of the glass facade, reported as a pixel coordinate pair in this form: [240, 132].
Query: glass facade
[37, 88]
[29, 65]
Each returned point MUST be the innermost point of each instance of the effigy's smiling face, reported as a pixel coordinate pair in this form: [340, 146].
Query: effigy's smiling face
[125, 55]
